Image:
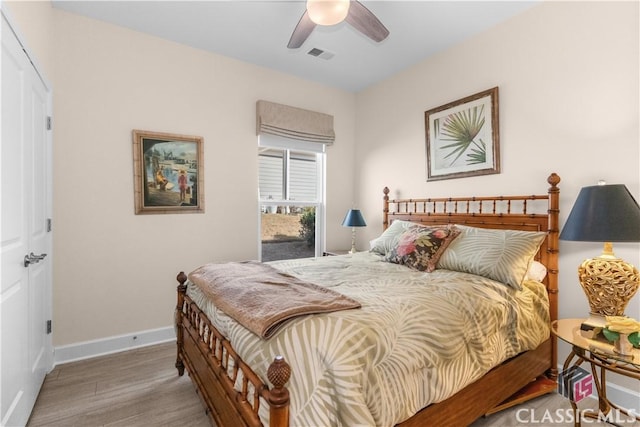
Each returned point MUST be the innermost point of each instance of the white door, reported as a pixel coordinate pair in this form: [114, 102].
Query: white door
[25, 291]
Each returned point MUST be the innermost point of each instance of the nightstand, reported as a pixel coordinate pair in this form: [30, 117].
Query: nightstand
[334, 253]
[602, 358]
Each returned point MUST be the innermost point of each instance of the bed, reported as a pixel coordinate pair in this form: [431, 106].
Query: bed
[289, 379]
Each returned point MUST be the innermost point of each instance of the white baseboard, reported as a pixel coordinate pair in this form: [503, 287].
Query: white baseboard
[101, 347]
[624, 397]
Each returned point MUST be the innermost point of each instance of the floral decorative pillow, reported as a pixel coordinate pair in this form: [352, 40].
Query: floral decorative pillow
[420, 247]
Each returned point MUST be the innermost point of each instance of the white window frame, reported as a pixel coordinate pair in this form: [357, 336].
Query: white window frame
[288, 144]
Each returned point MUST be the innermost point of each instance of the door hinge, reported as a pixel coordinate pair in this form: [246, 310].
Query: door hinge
[49, 125]
[49, 225]
[48, 326]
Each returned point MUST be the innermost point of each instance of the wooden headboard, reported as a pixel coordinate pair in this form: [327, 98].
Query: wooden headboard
[527, 212]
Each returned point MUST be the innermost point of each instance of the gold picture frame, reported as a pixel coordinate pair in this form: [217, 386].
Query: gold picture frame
[463, 137]
[167, 173]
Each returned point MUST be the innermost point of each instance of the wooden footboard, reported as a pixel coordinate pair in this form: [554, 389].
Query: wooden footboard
[216, 369]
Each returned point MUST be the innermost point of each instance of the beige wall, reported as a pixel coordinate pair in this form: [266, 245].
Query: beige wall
[114, 270]
[568, 78]
[33, 21]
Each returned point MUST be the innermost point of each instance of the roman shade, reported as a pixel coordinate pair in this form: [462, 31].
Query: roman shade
[295, 123]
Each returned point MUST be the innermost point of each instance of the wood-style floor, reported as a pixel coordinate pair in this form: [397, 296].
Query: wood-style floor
[142, 388]
[134, 388]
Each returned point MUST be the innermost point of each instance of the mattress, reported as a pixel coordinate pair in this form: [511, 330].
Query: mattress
[417, 339]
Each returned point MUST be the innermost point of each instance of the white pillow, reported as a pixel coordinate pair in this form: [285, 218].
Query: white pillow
[537, 271]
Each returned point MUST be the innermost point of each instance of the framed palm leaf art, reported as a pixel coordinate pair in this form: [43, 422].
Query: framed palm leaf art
[463, 137]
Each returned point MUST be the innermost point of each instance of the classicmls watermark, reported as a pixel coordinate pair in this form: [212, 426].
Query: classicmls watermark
[575, 383]
[547, 417]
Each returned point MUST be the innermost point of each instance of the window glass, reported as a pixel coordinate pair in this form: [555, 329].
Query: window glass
[291, 198]
[303, 173]
[271, 163]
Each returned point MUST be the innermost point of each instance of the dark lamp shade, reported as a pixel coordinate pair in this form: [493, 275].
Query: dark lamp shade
[354, 218]
[603, 213]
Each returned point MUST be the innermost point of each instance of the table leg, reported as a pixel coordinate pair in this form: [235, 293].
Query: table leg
[565, 368]
[601, 387]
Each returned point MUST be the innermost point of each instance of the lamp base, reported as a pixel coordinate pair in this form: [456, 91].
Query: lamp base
[608, 282]
[353, 240]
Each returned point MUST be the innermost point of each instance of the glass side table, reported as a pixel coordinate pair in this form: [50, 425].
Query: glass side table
[602, 358]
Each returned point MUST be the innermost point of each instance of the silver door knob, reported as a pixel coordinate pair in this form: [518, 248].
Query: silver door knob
[33, 259]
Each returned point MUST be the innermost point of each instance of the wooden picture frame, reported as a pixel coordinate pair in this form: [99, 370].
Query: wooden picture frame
[168, 173]
[463, 137]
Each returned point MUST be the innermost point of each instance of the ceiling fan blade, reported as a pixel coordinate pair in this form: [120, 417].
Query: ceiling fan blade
[363, 20]
[301, 32]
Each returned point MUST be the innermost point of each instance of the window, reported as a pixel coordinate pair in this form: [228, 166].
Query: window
[291, 198]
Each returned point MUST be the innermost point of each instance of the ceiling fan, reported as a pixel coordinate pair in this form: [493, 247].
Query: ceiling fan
[330, 12]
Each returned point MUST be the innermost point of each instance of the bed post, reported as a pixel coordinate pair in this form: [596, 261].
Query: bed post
[385, 209]
[182, 290]
[552, 267]
[278, 374]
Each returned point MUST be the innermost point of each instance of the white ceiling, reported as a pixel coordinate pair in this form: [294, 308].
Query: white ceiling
[258, 31]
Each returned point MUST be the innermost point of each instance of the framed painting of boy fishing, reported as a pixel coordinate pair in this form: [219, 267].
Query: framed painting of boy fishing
[168, 173]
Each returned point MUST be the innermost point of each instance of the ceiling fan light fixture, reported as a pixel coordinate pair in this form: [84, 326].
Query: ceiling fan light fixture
[328, 12]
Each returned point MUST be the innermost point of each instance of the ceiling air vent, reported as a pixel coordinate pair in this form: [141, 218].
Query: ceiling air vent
[319, 53]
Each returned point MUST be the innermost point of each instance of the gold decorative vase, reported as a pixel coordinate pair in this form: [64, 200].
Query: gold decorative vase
[609, 282]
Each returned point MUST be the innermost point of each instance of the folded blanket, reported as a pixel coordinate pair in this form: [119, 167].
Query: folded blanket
[261, 298]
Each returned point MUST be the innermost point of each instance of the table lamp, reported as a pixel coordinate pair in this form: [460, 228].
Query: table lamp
[353, 219]
[605, 213]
